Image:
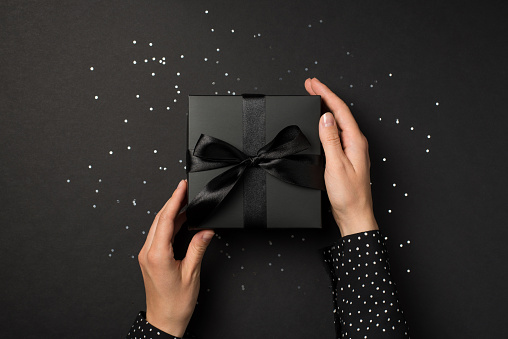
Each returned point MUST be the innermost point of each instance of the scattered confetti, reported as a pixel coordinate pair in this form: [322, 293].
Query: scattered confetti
[221, 85]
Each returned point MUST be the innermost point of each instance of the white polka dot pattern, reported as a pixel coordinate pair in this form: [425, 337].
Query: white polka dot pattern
[142, 329]
[364, 295]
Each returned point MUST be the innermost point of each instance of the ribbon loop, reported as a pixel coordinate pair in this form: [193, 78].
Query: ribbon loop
[277, 158]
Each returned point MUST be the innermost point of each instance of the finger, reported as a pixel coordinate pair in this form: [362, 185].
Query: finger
[308, 87]
[180, 219]
[151, 232]
[343, 116]
[165, 225]
[196, 250]
[330, 139]
[182, 216]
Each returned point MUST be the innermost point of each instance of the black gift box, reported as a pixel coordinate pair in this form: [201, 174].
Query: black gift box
[228, 118]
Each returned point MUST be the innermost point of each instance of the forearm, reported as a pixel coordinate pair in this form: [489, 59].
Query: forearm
[365, 296]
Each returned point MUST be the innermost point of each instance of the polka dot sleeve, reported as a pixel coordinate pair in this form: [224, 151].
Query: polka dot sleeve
[364, 295]
[142, 329]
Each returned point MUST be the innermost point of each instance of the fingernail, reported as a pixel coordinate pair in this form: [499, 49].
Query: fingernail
[328, 120]
[180, 184]
[207, 236]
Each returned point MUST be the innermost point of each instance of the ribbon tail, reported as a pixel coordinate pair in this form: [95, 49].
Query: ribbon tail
[214, 192]
[290, 169]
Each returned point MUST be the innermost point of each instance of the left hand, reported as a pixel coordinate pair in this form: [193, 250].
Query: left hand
[171, 286]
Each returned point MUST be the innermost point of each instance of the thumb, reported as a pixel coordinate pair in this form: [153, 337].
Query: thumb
[329, 135]
[197, 248]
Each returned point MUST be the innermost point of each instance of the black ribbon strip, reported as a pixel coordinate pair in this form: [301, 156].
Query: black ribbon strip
[278, 158]
[254, 180]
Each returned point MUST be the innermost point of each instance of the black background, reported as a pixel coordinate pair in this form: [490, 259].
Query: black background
[69, 269]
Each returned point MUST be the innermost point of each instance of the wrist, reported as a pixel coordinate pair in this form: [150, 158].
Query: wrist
[172, 327]
[361, 222]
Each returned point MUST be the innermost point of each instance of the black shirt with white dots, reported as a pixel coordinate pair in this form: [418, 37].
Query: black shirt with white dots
[365, 303]
[364, 294]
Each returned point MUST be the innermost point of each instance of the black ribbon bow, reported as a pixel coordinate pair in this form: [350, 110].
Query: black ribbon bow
[277, 158]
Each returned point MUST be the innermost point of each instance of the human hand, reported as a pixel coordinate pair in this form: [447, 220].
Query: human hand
[171, 286]
[347, 172]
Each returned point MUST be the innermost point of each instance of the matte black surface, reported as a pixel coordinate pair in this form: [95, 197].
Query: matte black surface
[387, 59]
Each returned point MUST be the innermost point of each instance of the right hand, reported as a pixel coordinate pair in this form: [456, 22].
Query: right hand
[347, 172]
